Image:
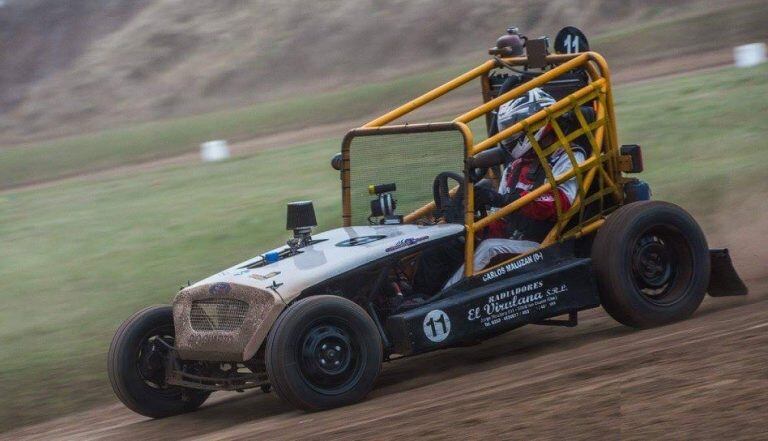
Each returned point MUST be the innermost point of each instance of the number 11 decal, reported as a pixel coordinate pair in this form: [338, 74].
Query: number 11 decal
[572, 44]
[571, 40]
[437, 325]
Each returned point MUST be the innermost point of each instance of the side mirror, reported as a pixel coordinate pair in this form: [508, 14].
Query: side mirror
[337, 162]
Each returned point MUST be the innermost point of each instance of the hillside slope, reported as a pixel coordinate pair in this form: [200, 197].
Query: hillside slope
[76, 67]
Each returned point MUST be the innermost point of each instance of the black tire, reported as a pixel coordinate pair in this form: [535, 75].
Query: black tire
[652, 264]
[136, 380]
[323, 352]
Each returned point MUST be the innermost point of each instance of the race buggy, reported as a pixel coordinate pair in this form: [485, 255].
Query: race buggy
[315, 319]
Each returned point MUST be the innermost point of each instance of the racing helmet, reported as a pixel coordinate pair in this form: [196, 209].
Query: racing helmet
[517, 110]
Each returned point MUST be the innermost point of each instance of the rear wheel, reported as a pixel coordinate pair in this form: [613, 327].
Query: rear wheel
[136, 366]
[652, 264]
[323, 352]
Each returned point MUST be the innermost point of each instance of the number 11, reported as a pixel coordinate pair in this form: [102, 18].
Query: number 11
[572, 43]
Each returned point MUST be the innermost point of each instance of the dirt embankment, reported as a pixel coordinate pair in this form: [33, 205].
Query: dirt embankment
[80, 67]
[436, 110]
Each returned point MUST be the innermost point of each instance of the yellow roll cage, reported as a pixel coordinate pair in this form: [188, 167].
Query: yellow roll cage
[603, 162]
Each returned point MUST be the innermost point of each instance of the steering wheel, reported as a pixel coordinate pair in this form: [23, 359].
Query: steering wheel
[449, 206]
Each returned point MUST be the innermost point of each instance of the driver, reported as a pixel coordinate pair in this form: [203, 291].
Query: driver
[524, 229]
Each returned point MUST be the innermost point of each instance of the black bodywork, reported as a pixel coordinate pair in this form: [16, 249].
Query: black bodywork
[552, 282]
[542, 285]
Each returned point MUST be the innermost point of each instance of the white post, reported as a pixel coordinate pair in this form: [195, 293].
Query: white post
[212, 151]
[749, 55]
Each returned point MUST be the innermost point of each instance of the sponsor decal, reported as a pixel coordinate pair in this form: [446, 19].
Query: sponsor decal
[403, 243]
[265, 276]
[512, 266]
[357, 241]
[437, 325]
[515, 291]
[558, 289]
[515, 302]
[219, 288]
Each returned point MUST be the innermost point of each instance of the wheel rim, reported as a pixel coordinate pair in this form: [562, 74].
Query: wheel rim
[330, 356]
[149, 360]
[661, 265]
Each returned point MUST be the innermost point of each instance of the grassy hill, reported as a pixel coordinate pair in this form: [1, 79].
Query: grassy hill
[81, 67]
[79, 257]
[341, 93]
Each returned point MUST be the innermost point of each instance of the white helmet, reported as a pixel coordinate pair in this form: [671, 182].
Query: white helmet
[517, 110]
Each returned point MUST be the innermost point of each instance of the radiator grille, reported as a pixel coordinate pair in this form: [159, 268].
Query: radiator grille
[217, 314]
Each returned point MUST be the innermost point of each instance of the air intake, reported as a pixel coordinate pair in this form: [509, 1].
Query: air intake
[301, 215]
[301, 219]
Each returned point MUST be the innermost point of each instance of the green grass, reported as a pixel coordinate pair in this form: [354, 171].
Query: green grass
[139, 143]
[78, 258]
[702, 135]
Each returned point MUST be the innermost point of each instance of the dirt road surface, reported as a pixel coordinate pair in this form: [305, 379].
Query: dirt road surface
[705, 378]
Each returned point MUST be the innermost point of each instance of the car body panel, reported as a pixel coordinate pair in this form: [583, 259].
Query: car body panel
[333, 253]
[496, 306]
[252, 294]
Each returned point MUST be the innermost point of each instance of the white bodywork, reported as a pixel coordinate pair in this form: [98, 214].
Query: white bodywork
[326, 259]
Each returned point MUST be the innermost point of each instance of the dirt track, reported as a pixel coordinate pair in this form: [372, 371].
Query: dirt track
[706, 378]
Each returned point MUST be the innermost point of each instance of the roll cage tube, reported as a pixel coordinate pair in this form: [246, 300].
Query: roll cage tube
[601, 166]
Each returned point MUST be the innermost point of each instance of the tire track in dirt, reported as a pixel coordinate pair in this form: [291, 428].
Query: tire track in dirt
[704, 378]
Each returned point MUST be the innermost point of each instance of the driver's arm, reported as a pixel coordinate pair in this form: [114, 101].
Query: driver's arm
[485, 196]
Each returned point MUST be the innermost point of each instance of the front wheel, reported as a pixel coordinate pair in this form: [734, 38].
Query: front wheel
[136, 366]
[323, 352]
[652, 264]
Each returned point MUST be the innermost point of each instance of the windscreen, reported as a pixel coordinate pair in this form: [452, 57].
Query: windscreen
[410, 158]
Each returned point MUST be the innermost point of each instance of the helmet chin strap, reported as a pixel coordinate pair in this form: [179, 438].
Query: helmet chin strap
[521, 148]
